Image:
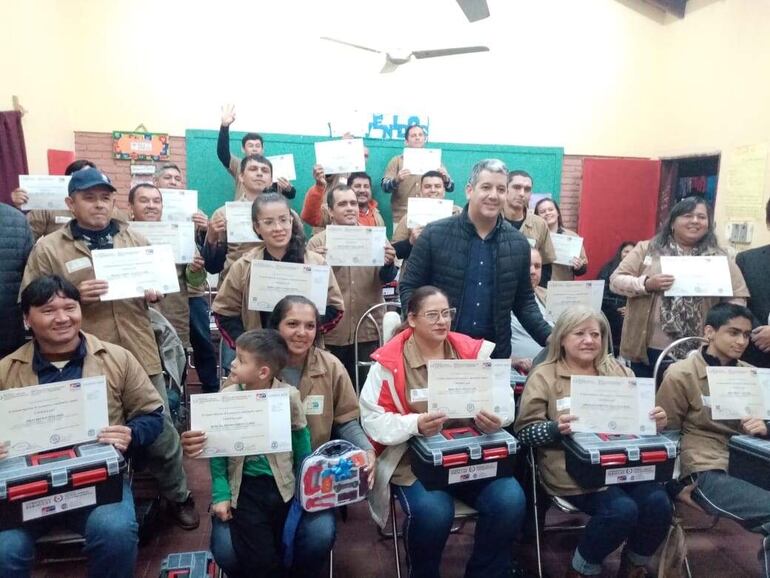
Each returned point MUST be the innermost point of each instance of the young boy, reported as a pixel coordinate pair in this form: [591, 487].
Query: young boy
[251, 495]
[684, 395]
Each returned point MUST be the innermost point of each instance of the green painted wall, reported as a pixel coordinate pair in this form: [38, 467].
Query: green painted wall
[215, 185]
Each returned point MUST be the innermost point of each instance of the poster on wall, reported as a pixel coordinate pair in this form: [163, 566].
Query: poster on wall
[139, 146]
[746, 181]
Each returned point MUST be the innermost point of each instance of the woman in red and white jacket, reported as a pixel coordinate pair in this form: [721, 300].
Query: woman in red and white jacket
[394, 408]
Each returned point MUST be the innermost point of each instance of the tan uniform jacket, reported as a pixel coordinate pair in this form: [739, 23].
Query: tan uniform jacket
[176, 307]
[129, 391]
[535, 229]
[640, 324]
[546, 385]
[327, 394]
[233, 296]
[124, 322]
[235, 170]
[409, 187]
[361, 288]
[43, 222]
[281, 464]
[565, 272]
[684, 394]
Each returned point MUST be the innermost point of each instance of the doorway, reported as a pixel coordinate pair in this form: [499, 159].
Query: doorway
[689, 176]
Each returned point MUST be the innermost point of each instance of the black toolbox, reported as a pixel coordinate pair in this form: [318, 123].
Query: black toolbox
[750, 460]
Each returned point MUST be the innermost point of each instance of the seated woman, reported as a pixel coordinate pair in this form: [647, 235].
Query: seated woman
[394, 408]
[637, 514]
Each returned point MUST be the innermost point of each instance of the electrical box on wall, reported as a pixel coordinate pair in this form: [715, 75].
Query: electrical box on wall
[739, 232]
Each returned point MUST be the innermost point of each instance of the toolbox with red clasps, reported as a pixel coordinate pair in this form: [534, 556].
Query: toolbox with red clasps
[54, 482]
[596, 460]
[189, 565]
[462, 454]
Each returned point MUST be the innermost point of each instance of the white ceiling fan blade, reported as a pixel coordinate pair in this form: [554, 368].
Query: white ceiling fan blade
[351, 44]
[448, 51]
[474, 9]
[389, 66]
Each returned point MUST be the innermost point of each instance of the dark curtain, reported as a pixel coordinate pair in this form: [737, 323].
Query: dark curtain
[13, 154]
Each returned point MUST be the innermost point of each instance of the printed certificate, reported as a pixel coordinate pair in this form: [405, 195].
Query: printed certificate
[283, 166]
[242, 423]
[737, 392]
[461, 388]
[698, 276]
[179, 205]
[132, 270]
[240, 228]
[561, 295]
[420, 161]
[612, 405]
[271, 281]
[566, 247]
[357, 246]
[421, 211]
[180, 236]
[39, 418]
[46, 192]
[340, 156]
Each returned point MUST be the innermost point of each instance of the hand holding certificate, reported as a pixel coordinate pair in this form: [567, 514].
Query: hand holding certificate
[242, 423]
[737, 392]
[179, 205]
[420, 161]
[239, 226]
[271, 281]
[355, 246]
[53, 415]
[612, 405]
[421, 211]
[698, 276]
[179, 236]
[46, 192]
[283, 167]
[462, 388]
[566, 247]
[341, 156]
[130, 271]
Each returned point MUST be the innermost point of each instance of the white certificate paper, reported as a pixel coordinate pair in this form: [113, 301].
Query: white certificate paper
[737, 392]
[271, 281]
[179, 205]
[421, 211]
[566, 247]
[46, 192]
[283, 166]
[612, 405]
[239, 226]
[132, 270]
[355, 246]
[698, 276]
[461, 388]
[420, 161]
[180, 236]
[242, 423]
[39, 418]
[561, 295]
[340, 156]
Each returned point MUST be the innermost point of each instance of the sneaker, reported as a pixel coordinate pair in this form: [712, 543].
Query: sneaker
[184, 513]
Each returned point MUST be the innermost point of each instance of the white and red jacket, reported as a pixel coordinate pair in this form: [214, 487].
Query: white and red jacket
[385, 414]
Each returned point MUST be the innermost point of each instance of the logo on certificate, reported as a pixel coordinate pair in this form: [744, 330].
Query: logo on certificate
[261, 395]
[74, 386]
[55, 439]
[238, 446]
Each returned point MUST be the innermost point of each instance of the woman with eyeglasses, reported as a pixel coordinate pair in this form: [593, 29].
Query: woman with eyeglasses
[549, 210]
[283, 239]
[394, 408]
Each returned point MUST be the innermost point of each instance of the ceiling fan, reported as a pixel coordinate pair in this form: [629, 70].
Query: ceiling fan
[474, 9]
[394, 59]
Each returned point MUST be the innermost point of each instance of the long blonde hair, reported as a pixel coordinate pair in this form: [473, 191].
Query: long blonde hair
[571, 318]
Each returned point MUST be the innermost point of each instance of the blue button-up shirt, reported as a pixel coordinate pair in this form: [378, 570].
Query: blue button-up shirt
[475, 317]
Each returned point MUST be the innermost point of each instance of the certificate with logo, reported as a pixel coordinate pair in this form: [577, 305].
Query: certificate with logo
[242, 423]
[738, 392]
[341, 156]
[239, 226]
[283, 167]
[561, 295]
[566, 247]
[357, 246]
[46, 192]
[130, 271]
[420, 161]
[179, 205]
[271, 281]
[421, 211]
[612, 405]
[180, 236]
[461, 388]
[698, 276]
[39, 418]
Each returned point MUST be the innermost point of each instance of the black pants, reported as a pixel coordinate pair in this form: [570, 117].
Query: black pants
[257, 526]
[346, 354]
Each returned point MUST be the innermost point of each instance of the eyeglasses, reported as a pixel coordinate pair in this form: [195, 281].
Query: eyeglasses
[283, 221]
[434, 316]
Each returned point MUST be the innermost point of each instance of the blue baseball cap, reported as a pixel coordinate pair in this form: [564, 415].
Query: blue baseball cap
[88, 178]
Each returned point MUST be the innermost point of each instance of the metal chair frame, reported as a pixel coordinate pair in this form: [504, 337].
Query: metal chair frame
[668, 353]
[367, 316]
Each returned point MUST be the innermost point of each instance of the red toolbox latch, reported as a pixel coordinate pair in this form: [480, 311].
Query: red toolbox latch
[452, 460]
[89, 477]
[613, 460]
[494, 454]
[29, 490]
[654, 457]
[178, 573]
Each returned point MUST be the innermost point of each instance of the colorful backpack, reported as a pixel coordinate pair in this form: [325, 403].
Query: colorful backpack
[333, 475]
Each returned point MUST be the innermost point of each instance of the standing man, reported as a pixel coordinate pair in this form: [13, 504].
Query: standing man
[481, 262]
[124, 322]
[361, 287]
[316, 213]
[533, 227]
[15, 246]
[400, 182]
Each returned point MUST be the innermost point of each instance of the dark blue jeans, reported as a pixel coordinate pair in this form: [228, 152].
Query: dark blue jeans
[204, 356]
[110, 532]
[501, 506]
[643, 369]
[639, 514]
